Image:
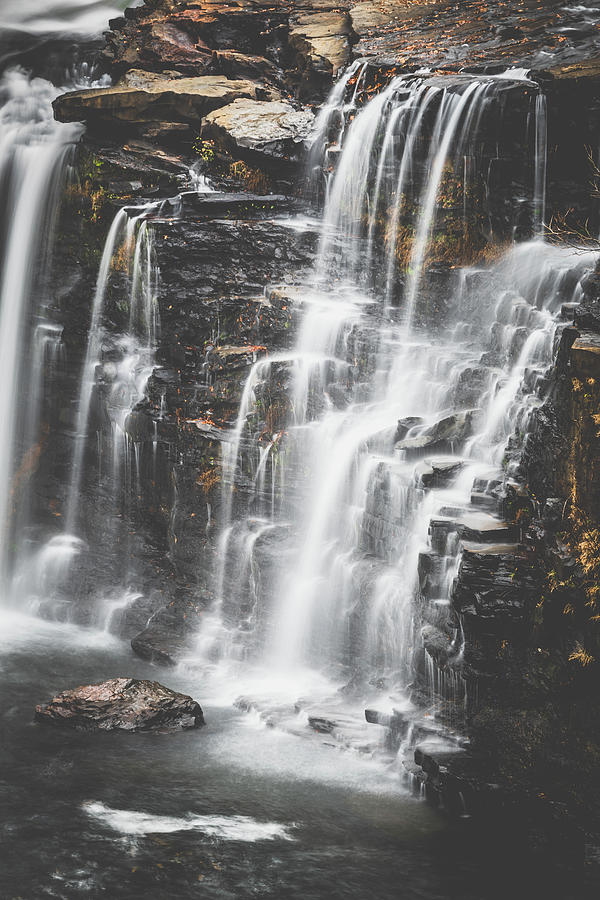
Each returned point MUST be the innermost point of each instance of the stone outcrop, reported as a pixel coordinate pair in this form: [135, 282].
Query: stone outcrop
[143, 97]
[314, 38]
[447, 434]
[122, 704]
[323, 41]
[257, 129]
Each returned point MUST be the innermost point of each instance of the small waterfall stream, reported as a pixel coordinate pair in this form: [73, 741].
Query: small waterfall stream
[34, 151]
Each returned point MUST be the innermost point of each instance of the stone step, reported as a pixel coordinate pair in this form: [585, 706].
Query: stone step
[215, 205]
[434, 755]
[439, 472]
[477, 527]
[407, 725]
[484, 501]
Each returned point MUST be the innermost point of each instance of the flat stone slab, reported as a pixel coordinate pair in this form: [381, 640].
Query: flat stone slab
[149, 98]
[435, 473]
[237, 205]
[271, 128]
[122, 704]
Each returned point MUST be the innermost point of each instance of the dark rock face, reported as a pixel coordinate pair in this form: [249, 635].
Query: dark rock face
[313, 40]
[123, 704]
[495, 592]
[169, 630]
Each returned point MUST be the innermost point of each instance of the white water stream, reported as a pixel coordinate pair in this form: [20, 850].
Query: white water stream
[33, 154]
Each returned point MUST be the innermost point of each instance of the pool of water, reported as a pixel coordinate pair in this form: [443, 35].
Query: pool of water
[232, 810]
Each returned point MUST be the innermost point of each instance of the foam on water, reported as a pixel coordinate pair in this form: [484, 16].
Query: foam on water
[223, 828]
[19, 631]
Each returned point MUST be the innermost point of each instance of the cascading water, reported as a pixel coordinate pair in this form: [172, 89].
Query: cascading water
[34, 151]
[388, 382]
[82, 17]
[118, 366]
[133, 365]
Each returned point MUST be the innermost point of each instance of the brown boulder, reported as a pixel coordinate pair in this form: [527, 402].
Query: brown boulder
[124, 704]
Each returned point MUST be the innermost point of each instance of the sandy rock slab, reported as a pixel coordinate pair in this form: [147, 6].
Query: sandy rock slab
[144, 97]
[123, 704]
[269, 128]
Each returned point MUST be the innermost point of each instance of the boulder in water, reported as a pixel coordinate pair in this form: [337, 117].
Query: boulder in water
[124, 704]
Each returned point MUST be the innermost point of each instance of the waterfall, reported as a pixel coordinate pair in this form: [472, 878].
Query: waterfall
[128, 232]
[33, 154]
[541, 160]
[383, 392]
[83, 17]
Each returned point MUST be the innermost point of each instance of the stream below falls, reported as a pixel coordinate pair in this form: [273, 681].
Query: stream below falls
[233, 810]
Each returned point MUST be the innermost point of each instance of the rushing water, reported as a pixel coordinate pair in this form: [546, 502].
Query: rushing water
[70, 17]
[33, 154]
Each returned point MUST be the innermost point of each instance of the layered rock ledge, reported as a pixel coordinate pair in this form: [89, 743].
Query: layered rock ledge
[145, 97]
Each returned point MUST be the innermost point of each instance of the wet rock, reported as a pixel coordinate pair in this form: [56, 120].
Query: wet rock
[438, 644]
[470, 385]
[446, 434]
[437, 473]
[271, 129]
[321, 724]
[473, 527]
[169, 631]
[243, 65]
[405, 425]
[585, 355]
[124, 704]
[586, 318]
[553, 512]
[236, 205]
[435, 756]
[139, 426]
[339, 395]
[495, 591]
